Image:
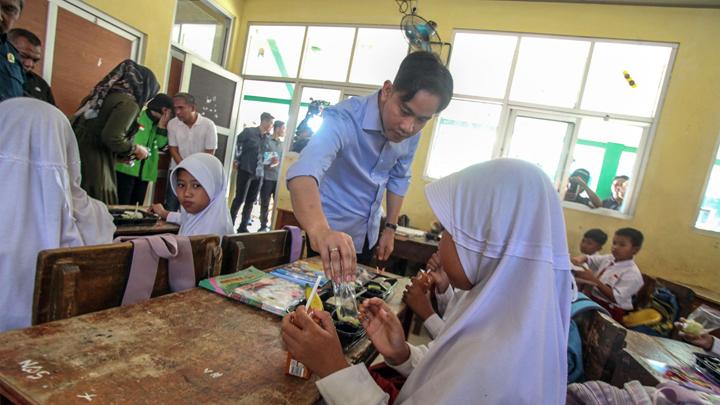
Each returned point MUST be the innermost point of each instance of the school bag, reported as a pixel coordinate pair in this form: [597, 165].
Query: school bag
[665, 303]
[576, 372]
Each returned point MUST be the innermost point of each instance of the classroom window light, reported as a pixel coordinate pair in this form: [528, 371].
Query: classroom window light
[561, 104]
[327, 53]
[263, 96]
[377, 44]
[465, 135]
[481, 64]
[709, 216]
[273, 50]
[549, 71]
[202, 28]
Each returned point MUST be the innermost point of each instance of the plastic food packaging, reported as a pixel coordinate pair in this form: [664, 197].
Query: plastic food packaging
[708, 317]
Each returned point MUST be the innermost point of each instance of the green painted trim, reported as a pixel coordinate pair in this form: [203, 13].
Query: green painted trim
[604, 145]
[280, 64]
[611, 160]
[271, 100]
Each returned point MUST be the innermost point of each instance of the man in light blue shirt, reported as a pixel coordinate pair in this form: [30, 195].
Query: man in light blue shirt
[364, 148]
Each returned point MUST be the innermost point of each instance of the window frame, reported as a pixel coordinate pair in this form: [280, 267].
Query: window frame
[227, 37]
[703, 190]
[503, 138]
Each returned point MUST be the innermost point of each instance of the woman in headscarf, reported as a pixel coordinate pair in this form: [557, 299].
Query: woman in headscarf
[199, 183]
[505, 338]
[47, 209]
[105, 123]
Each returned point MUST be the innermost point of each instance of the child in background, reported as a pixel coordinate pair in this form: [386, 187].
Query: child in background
[614, 278]
[505, 339]
[593, 241]
[199, 183]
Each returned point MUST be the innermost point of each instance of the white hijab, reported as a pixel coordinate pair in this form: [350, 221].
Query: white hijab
[44, 206]
[505, 340]
[215, 218]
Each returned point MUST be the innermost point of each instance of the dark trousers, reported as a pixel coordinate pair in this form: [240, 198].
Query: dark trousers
[131, 190]
[247, 186]
[266, 191]
[171, 201]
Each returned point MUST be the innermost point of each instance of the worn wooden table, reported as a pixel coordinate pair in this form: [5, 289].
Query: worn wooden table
[635, 361]
[414, 250]
[139, 230]
[189, 347]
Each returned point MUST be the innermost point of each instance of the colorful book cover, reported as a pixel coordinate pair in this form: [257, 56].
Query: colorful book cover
[257, 288]
[302, 272]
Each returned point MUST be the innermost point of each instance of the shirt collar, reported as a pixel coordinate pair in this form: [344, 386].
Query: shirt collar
[371, 119]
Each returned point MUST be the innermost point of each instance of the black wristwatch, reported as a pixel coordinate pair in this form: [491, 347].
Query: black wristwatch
[391, 226]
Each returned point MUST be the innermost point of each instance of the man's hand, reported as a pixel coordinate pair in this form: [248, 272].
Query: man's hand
[386, 245]
[337, 252]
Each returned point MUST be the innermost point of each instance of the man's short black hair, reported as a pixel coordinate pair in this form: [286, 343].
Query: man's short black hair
[636, 237]
[597, 235]
[424, 71]
[23, 33]
[277, 124]
[266, 116]
[187, 97]
[621, 177]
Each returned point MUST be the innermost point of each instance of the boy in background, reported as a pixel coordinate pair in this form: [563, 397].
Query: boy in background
[593, 242]
[614, 278]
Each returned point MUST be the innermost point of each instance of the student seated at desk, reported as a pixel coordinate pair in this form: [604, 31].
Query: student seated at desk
[704, 341]
[505, 233]
[199, 183]
[46, 208]
[591, 244]
[614, 278]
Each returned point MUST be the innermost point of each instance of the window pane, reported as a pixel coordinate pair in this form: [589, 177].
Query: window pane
[539, 141]
[202, 29]
[549, 71]
[273, 50]
[607, 149]
[374, 45]
[327, 53]
[480, 63]
[709, 216]
[465, 135]
[607, 89]
[259, 97]
[309, 121]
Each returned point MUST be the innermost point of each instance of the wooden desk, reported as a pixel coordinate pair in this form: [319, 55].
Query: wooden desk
[632, 362]
[189, 347]
[414, 250]
[141, 230]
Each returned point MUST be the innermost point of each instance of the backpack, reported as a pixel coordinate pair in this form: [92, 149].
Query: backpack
[665, 303]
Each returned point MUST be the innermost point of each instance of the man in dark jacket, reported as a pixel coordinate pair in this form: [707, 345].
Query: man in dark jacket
[29, 48]
[12, 77]
[248, 161]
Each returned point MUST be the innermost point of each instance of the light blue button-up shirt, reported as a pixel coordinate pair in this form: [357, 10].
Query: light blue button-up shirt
[353, 163]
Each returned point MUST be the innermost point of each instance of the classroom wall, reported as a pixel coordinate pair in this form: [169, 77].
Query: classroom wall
[686, 135]
[154, 19]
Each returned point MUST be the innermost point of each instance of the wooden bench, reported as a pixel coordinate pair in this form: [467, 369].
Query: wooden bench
[262, 250]
[75, 281]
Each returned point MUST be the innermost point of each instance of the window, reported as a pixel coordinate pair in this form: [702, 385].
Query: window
[202, 28]
[355, 55]
[562, 103]
[709, 216]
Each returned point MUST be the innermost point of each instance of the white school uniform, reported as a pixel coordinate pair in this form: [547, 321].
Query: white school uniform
[512, 325]
[624, 278]
[45, 207]
[435, 323]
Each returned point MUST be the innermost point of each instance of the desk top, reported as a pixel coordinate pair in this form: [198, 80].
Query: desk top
[189, 347]
[139, 230]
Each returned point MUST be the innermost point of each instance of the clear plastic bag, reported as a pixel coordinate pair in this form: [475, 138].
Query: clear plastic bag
[708, 317]
[345, 302]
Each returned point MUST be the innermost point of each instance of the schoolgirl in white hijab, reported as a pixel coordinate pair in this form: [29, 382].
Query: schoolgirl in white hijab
[44, 206]
[213, 219]
[505, 339]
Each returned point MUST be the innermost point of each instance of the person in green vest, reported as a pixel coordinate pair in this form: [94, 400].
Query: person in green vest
[133, 177]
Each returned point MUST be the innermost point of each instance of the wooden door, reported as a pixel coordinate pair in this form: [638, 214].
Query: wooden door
[84, 53]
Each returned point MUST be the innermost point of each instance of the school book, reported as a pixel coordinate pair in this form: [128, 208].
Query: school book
[257, 288]
[302, 272]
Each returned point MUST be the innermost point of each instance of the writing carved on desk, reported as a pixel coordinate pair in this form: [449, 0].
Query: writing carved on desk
[33, 368]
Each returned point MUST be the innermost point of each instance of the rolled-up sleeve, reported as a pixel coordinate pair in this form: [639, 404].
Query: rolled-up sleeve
[211, 137]
[316, 158]
[400, 174]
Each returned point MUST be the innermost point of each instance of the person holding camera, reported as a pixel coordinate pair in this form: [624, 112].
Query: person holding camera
[578, 186]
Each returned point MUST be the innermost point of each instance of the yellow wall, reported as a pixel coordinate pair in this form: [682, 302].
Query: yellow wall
[687, 131]
[154, 19]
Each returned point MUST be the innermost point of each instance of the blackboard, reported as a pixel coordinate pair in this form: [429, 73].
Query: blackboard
[214, 95]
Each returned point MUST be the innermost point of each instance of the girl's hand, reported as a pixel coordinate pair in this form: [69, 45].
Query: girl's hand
[316, 346]
[384, 330]
[160, 210]
[704, 340]
[417, 298]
